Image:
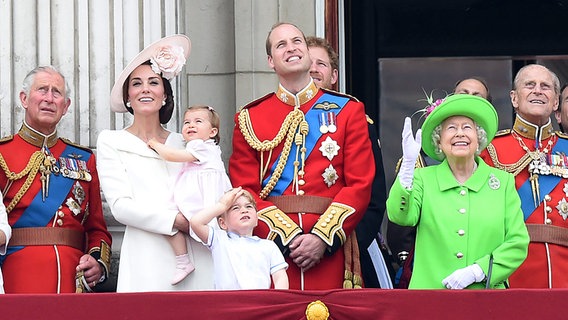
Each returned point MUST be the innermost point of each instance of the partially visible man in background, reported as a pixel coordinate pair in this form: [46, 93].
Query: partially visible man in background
[325, 72]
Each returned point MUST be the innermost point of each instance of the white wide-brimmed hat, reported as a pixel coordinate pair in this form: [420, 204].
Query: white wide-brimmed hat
[167, 56]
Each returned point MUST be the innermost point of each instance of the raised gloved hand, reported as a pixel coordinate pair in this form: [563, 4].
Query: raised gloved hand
[463, 277]
[410, 151]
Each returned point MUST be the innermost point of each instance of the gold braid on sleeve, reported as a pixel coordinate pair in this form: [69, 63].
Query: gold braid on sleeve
[287, 130]
[30, 170]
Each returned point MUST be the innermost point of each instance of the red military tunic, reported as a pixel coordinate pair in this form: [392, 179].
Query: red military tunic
[43, 268]
[339, 169]
[543, 198]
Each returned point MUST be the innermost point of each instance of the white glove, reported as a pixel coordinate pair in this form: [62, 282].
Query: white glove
[463, 277]
[410, 152]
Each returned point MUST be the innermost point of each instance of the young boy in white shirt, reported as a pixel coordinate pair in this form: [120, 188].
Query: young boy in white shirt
[241, 260]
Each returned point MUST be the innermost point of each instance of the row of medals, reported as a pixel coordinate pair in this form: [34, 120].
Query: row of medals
[70, 168]
[553, 164]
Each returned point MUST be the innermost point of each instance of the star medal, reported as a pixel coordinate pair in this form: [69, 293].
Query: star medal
[329, 148]
[73, 206]
[79, 192]
[330, 176]
[563, 208]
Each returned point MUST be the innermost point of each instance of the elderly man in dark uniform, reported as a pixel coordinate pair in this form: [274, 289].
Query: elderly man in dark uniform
[305, 153]
[60, 242]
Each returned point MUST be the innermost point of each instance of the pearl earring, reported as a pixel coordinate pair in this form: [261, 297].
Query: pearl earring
[163, 102]
[128, 104]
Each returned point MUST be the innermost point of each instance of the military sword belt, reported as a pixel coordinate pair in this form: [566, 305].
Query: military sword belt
[43, 236]
[295, 204]
[549, 234]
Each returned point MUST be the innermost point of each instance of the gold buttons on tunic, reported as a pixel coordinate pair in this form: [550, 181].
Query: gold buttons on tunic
[548, 209]
[301, 192]
[60, 214]
[301, 182]
[548, 221]
[547, 197]
[59, 222]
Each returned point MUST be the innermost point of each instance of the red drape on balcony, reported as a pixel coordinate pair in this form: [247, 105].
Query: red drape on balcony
[291, 304]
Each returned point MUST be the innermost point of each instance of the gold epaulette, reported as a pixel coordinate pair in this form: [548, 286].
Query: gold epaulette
[369, 120]
[255, 102]
[330, 223]
[280, 224]
[336, 93]
[7, 138]
[69, 142]
[561, 134]
[502, 132]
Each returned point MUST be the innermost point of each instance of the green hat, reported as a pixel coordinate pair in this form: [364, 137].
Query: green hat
[475, 108]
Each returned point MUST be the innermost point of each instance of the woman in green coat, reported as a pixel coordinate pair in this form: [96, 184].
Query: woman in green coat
[468, 218]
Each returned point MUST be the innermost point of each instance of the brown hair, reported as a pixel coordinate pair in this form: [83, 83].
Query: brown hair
[269, 44]
[213, 118]
[166, 110]
[247, 196]
[324, 44]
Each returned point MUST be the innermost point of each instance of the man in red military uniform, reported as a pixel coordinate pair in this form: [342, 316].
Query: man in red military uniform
[536, 155]
[60, 242]
[306, 155]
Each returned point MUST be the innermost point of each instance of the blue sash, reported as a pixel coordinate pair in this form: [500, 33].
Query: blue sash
[546, 184]
[312, 117]
[39, 213]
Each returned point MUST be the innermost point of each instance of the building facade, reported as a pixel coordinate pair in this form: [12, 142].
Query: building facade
[92, 41]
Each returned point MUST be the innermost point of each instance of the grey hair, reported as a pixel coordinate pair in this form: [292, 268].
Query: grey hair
[30, 78]
[517, 81]
[481, 139]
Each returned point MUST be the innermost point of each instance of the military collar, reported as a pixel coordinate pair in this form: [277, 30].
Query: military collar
[528, 130]
[298, 99]
[36, 138]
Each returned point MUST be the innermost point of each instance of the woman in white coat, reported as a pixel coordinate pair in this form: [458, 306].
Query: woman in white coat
[138, 184]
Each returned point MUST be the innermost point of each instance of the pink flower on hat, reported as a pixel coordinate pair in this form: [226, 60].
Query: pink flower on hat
[168, 61]
[433, 106]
